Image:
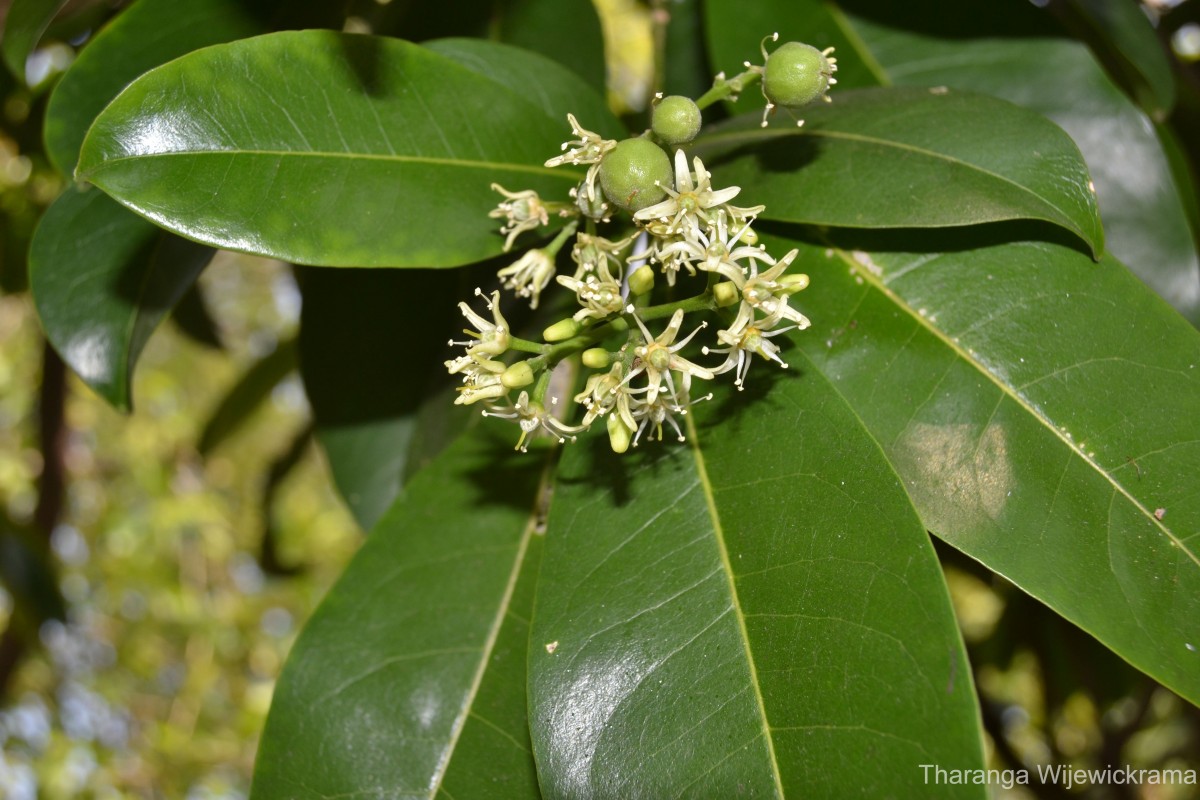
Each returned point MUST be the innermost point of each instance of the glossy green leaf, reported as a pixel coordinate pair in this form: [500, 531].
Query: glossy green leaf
[1140, 59]
[880, 158]
[367, 369]
[685, 65]
[339, 150]
[1145, 224]
[931, 43]
[407, 682]
[102, 280]
[28, 574]
[194, 319]
[247, 395]
[145, 35]
[567, 31]
[27, 20]
[758, 613]
[1044, 413]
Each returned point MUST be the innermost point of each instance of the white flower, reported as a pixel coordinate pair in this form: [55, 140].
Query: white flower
[717, 250]
[743, 343]
[530, 416]
[603, 392]
[663, 408]
[687, 204]
[481, 380]
[488, 338]
[765, 293]
[657, 357]
[529, 275]
[592, 253]
[599, 295]
[524, 211]
[588, 148]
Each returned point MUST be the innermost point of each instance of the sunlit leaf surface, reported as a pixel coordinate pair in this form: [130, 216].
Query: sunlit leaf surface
[894, 158]
[758, 613]
[339, 150]
[408, 680]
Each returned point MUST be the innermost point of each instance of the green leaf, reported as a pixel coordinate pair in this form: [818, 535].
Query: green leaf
[145, 35]
[685, 66]
[102, 280]
[757, 614]
[247, 395]
[338, 150]
[367, 369]
[1130, 41]
[194, 319]
[27, 573]
[880, 158]
[1042, 410]
[567, 31]
[27, 20]
[407, 682]
[1145, 224]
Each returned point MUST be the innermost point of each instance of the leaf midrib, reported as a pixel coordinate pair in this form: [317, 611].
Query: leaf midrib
[566, 174]
[727, 566]
[879, 285]
[485, 657]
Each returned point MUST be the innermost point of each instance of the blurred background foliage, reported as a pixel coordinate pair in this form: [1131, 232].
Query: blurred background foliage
[157, 566]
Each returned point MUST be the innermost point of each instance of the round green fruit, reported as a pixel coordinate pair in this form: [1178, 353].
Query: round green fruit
[796, 75]
[676, 120]
[634, 173]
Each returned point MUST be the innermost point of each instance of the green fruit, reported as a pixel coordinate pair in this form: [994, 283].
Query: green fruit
[796, 75]
[633, 173]
[676, 120]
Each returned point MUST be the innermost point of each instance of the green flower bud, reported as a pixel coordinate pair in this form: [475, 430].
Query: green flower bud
[794, 283]
[596, 358]
[726, 293]
[676, 120]
[796, 75]
[641, 280]
[634, 173]
[562, 330]
[619, 436]
[518, 375]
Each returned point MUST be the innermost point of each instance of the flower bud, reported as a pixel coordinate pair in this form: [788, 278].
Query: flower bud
[518, 375]
[596, 358]
[619, 435]
[726, 293]
[562, 330]
[641, 280]
[794, 283]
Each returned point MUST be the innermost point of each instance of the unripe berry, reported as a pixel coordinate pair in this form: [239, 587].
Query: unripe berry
[796, 74]
[634, 173]
[676, 120]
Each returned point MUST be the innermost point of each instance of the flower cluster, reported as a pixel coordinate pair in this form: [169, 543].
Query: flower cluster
[679, 226]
